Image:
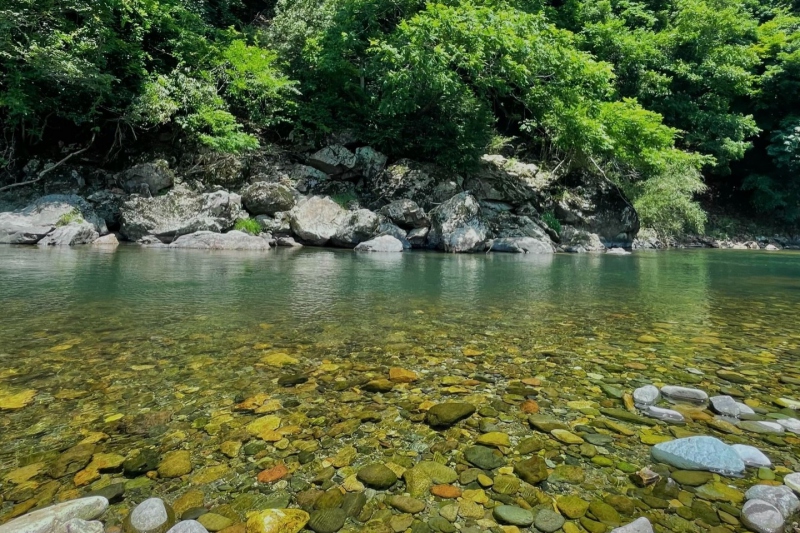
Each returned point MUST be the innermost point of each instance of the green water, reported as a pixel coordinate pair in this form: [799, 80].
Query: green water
[104, 336]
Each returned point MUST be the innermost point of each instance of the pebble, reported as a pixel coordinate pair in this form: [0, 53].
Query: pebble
[327, 520]
[150, 516]
[483, 457]
[676, 394]
[646, 396]
[188, 526]
[793, 481]
[640, 525]
[762, 517]
[533, 470]
[377, 476]
[699, 453]
[517, 516]
[277, 521]
[780, 496]
[76, 525]
[667, 415]
[725, 405]
[44, 519]
[751, 456]
[444, 415]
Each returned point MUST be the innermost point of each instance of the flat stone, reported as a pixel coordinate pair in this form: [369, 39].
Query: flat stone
[719, 492]
[566, 437]
[691, 478]
[666, 415]
[751, 456]
[793, 481]
[640, 525]
[676, 394]
[546, 424]
[780, 496]
[788, 403]
[627, 416]
[494, 438]
[791, 425]
[762, 517]
[724, 405]
[762, 427]
[327, 520]
[511, 514]
[699, 453]
[446, 414]
[533, 470]
[572, 506]
[733, 377]
[405, 504]
[214, 522]
[646, 396]
[377, 476]
[150, 516]
[548, 521]
[484, 457]
[277, 521]
[76, 525]
[45, 520]
[175, 464]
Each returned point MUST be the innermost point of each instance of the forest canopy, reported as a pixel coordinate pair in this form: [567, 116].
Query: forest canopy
[663, 98]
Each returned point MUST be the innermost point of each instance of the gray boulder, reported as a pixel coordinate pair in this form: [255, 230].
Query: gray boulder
[288, 242]
[179, 212]
[358, 226]
[107, 205]
[370, 162]
[147, 178]
[417, 237]
[780, 496]
[264, 198]
[506, 180]
[573, 238]
[315, 220]
[306, 178]
[456, 226]
[333, 160]
[278, 224]
[384, 243]
[406, 214]
[233, 240]
[387, 228]
[106, 240]
[762, 517]
[73, 233]
[31, 223]
[425, 184]
[520, 245]
[699, 453]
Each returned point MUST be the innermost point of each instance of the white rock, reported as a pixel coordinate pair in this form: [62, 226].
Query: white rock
[149, 515]
[384, 243]
[667, 415]
[684, 395]
[744, 409]
[188, 526]
[762, 517]
[781, 497]
[751, 456]
[106, 240]
[790, 424]
[640, 525]
[647, 395]
[46, 520]
[793, 481]
[76, 525]
[724, 405]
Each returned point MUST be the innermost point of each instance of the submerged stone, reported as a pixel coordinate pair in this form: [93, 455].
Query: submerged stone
[762, 427]
[724, 405]
[150, 516]
[447, 414]
[666, 415]
[640, 525]
[48, 518]
[377, 476]
[751, 456]
[511, 514]
[277, 521]
[699, 453]
[646, 396]
[762, 517]
[676, 394]
[780, 496]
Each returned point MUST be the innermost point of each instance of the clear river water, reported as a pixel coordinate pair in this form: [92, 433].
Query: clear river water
[179, 372]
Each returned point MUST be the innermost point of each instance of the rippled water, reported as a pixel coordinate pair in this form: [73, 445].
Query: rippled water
[102, 336]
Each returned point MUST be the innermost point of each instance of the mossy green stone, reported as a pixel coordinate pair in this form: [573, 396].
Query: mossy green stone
[572, 506]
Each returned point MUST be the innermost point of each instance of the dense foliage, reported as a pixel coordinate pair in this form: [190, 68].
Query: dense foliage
[661, 98]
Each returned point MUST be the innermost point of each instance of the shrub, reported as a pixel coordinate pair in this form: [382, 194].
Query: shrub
[72, 216]
[248, 225]
[552, 222]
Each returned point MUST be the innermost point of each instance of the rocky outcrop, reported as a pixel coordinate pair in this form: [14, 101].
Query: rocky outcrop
[578, 241]
[357, 226]
[179, 212]
[73, 233]
[384, 243]
[406, 214]
[32, 223]
[456, 225]
[316, 220]
[333, 160]
[425, 184]
[147, 178]
[520, 245]
[370, 162]
[233, 240]
[107, 205]
[507, 180]
[600, 208]
[278, 224]
[262, 198]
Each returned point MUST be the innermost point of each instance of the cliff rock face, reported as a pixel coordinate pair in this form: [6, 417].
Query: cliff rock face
[179, 212]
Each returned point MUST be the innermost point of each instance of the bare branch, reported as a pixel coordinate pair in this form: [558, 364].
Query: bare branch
[48, 169]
